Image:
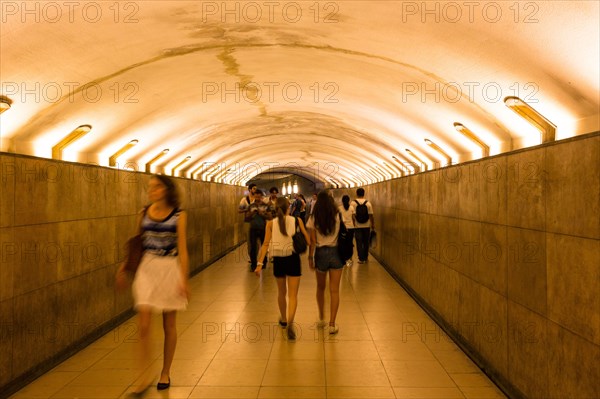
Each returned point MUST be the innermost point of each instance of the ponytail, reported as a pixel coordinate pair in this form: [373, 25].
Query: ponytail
[282, 207]
[346, 202]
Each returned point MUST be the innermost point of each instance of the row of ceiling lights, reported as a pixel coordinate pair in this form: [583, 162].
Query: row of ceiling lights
[547, 129]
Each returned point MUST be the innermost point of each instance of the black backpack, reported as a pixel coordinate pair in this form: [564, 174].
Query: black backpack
[344, 242]
[362, 212]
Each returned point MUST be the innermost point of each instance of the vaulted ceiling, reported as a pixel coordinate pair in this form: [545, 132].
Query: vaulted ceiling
[332, 90]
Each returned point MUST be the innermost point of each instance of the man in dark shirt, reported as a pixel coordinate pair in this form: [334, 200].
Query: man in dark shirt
[258, 213]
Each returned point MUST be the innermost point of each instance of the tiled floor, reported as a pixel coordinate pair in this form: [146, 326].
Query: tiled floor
[230, 346]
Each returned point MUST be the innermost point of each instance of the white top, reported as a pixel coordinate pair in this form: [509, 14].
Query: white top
[325, 241]
[281, 245]
[369, 207]
[347, 215]
[244, 204]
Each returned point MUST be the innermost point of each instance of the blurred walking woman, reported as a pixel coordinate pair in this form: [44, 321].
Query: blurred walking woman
[324, 225]
[161, 281]
[286, 263]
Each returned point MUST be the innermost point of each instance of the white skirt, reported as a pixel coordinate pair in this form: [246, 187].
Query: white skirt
[157, 284]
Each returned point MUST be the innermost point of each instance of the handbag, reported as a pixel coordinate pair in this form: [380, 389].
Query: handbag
[300, 244]
[134, 250]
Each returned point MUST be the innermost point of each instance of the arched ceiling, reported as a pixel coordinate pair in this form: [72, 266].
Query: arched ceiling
[341, 87]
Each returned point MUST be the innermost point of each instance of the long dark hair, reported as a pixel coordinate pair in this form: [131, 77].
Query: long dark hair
[173, 198]
[325, 213]
[282, 207]
[346, 202]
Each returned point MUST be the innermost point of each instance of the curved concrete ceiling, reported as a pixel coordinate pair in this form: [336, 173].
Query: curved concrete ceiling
[344, 87]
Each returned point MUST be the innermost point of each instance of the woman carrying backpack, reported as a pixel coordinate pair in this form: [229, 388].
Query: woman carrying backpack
[347, 212]
[286, 263]
[324, 226]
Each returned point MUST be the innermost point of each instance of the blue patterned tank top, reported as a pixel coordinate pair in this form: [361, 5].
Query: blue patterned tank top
[160, 237]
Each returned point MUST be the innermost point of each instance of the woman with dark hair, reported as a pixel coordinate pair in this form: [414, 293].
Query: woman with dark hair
[302, 207]
[347, 211]
[161, 281]
[286, 263]
[324, 225]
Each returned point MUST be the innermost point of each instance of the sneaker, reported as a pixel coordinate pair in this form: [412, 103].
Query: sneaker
[362, 261]
[321, 324]
[349, 263]
[291, 333]
[333, 329]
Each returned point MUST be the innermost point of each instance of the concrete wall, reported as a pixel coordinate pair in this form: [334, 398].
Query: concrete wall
[62, 229]
[506, 253]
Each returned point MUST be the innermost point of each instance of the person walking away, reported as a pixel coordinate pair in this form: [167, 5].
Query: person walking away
[286, 263]
[323, 256]
[364, 222]
[347, 211]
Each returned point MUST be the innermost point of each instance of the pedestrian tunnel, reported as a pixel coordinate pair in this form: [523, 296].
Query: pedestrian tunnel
[473, 127]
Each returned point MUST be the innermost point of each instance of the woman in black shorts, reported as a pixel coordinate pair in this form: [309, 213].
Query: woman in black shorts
[286, 263]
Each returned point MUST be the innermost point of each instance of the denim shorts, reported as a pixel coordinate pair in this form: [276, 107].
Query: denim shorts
[327, 258]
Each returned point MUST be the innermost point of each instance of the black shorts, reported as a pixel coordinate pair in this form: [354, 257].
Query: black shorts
[287, 266]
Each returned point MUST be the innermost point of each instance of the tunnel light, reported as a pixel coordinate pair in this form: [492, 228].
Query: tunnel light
[412, 154]
[179, 165]
[485, 149]
[547, 128]
[57, 150]
[156, 158]
[5, 104]
[112, 161]
[387, 175]
[415, 166]
[196, 171]
[346, 182]
[393, 169]
[439, 150]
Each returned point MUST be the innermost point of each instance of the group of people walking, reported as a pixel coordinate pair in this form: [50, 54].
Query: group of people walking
[160, 283]
[323, 224]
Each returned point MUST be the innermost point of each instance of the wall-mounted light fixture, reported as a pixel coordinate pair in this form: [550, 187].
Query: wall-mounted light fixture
[547, 128]
[112, 161]
[386, 173]
[197, 170]
[412, 154]
[289, 188]
[179, 165]
[283, 190]
[462, 129]
[295, 188]
[156, 158]
[79, 132]
[439, 150]
[393, 169]
[415, 166]
[5, 103]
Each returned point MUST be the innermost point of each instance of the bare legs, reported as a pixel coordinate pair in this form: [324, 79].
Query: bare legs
[335, 276]
[170, 330]
[288, 286]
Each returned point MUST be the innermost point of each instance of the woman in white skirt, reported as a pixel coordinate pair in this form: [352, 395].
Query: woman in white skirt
[161, 281]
